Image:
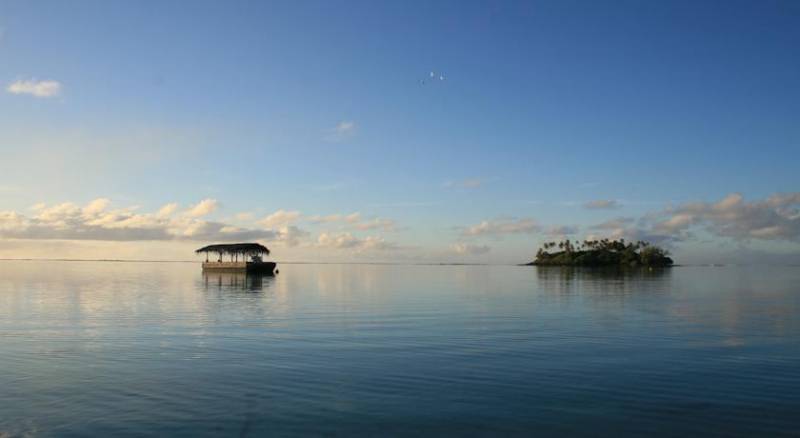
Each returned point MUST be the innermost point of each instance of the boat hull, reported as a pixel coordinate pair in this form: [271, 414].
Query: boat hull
[249, 267]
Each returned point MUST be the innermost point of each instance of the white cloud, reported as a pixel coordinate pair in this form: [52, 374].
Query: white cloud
[602, 204]
[503, 226]
[344, 130]
[280, 218]
[203, 208]
[345, 127]
[468, 249]
[47, 88]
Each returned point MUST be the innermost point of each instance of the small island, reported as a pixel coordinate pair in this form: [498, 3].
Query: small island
[602, 252]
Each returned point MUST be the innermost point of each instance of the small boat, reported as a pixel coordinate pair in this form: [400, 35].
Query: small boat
[244, 257]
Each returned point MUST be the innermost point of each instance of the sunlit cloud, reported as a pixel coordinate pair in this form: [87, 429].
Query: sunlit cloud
[503, 226]
[96, 206]
[167, 210]
[95, 221]
[280, 218]
[33, 87]
[203, 208]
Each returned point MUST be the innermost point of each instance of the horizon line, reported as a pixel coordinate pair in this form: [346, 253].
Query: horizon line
[295, 262]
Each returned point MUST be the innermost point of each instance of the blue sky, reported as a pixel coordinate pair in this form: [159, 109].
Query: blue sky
[316, 108]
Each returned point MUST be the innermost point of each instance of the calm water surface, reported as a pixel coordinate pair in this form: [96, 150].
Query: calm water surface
[102, 349]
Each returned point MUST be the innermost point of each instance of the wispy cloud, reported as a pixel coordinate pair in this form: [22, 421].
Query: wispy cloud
[602, 204]
[406, 204]
[344, 130]
[503, 226]
[351, 218]
[349, 241]
[377, 223]
[354, 220]
[469, 249]
[331, 187]
[33, 87]
[613, 224]
[469, 183]
[280, 218]
[562, 230]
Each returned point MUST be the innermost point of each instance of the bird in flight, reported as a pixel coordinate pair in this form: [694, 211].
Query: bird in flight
[432, 77]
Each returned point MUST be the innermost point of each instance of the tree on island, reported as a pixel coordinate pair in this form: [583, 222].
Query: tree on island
[603, 252]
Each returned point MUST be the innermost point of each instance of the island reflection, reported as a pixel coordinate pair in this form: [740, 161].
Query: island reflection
[605, 281]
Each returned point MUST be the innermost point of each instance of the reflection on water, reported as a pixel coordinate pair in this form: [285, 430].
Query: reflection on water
[117, 349]
[253, 282]
[570, 273]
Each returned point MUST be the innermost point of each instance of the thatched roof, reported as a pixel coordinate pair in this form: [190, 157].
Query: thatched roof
[236, 248]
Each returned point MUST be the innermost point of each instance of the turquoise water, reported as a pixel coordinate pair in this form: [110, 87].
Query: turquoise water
[133, 349]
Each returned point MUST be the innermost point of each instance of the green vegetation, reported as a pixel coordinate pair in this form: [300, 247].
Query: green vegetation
[601, 253]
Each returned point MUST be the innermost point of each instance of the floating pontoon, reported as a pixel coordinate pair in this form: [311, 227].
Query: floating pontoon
[244, 257]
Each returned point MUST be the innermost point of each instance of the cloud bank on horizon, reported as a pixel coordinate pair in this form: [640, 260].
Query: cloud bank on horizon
[775, 218]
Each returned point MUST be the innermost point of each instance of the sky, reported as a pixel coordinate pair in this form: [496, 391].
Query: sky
[462, 131]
